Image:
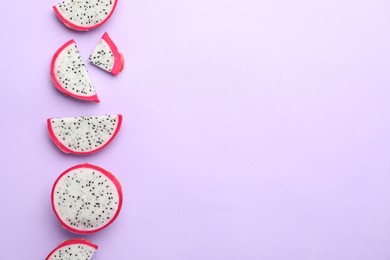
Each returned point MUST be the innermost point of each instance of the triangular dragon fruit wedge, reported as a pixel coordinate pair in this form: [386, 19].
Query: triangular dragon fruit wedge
[84, 15]
[86, 198]
[84, 134]
[69, 74]
[107, 56]
[73, 249]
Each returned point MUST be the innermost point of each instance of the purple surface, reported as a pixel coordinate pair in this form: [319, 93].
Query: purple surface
[252, 129]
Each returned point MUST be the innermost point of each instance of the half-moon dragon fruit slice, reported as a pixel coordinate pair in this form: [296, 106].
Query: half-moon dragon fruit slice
[69, 74]
[73, 249]
[84, 15]
[107, 56]
[86, 198]
[84, 134]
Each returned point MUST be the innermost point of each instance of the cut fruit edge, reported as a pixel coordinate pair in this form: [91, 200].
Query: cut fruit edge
[65, 149]
[73, 26]
[70, 242]
[57, 85]
[119, 61]
[106, 173]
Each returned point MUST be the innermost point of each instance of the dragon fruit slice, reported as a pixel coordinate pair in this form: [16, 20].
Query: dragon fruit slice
[86, 198]
[84, 15]
[107, 56]
[84, 134]
[69, 74]
[73, 249]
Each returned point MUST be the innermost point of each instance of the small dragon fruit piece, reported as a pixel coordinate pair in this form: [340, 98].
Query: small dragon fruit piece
[85, 134]
[107, 56]
[86, 198]
[69, 74]
[73, 249]
[84, 15]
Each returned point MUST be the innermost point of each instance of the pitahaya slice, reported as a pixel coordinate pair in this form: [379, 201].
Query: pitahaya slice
[86, 198]
[84, 134]
[73, 249]
[69, 74]
[84, 15]
[107, 56]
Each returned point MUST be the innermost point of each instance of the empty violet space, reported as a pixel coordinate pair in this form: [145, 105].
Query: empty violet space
[252, 129]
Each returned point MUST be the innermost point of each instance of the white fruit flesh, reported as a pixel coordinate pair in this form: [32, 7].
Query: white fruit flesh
[102, 56]
[71, 73]
[86, 13]
[84, 134]
[85, 199]
[73, 252]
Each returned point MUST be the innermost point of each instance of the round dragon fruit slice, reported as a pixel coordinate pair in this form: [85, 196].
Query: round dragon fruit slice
[84, 15]
[86, 198]
[69, 74]
[107, 56]
[84, 134]
[73, 249]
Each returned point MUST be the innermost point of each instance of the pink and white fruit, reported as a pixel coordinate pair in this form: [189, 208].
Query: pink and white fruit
[107, 56]
[84, 15]
[84, 134]
[86, 198]
[69, 74]
[73, 249]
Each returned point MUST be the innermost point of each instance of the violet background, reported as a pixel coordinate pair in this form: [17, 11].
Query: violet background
[252, 129]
